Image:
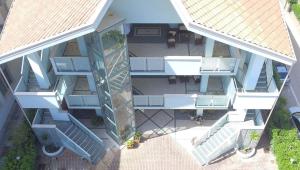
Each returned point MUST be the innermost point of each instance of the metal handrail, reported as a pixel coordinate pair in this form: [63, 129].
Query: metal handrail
[214, 128]
[222, 146]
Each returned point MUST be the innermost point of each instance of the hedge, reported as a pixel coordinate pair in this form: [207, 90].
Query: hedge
[296, 9]
[284, 142]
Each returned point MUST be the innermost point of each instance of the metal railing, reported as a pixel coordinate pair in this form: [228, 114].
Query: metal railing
[143, 64]
[226, 145]
[71, 64]
[216, 64]
[213, 129]
[212, 101]
[148, 100]
[82, 100]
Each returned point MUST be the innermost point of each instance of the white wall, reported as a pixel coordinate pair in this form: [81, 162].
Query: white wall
[261, 100]
[145, 11]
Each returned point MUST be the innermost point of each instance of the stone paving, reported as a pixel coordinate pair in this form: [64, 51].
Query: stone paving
[162, 153]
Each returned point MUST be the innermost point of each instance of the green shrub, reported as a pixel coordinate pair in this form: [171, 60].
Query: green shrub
[293, 1]
[285, 146]
[23, 154]
[296, 9]
[284, 141]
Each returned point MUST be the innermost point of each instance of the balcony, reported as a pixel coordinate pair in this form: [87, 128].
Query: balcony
[79, 96]
[218, 66]
[74, 65]
[157, 93]
[30, 95]
[173, 65]
[264, 95]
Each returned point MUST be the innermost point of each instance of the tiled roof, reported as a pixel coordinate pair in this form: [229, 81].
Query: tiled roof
[34, 21]
[255, 21]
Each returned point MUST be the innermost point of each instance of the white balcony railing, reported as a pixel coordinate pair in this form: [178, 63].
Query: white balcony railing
[70, 64]
[193, 65]
[148, 100]
[81, 101]
[206, 101]
[216, 65]
[151, 64]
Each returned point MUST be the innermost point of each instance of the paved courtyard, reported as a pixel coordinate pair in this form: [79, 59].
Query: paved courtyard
[166, 135]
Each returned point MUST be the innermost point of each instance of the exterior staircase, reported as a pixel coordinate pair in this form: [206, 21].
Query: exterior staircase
[262, 84]
[217, 141]
[71, 134]
[81, 137]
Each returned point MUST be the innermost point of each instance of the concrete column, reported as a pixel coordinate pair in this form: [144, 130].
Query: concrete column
[45, 57]
[199, 112]
[39, 70]
[209, 49]
[91, 82]
[82, 46]
[98, 112]
[253, 72]
[242, 59]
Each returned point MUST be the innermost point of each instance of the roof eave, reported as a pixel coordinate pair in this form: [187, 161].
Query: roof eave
[244, 45]
[91, 26]
[224, 38]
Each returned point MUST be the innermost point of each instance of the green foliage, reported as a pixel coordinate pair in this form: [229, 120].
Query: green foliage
[97, 121]
[254, 136]
[296, 9]
[130, 144]
[285, 146]
[30, 114]
[284, 142]
[293, 1]
[24, 152]
[113, 38]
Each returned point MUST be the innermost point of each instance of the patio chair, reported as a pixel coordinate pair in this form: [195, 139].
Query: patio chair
[198, 39]
[171, 42]
[172, 79]
[171, 38]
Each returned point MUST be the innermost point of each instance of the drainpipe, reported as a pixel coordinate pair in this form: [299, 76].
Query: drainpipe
[12, 92]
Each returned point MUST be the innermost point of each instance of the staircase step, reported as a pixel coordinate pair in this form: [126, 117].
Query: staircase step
[200, 157]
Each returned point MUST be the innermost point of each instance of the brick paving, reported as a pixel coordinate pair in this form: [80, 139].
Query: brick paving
[161, 153]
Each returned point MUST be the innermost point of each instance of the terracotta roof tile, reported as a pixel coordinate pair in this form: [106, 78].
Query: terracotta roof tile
[255, 21]
[32, 21]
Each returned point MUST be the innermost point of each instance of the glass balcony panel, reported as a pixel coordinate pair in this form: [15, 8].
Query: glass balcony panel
[215, 64]
[63, 64]
[211, 100]
[81, 64]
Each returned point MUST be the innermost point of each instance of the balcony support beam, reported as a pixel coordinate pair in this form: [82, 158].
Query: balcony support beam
[209, 49]
[91, 82]
[39, 70]
[254, 69]
[82, 46]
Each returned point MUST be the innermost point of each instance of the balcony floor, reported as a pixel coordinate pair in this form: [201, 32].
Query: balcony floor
[159, 86]
[181, 49]
[81, 86]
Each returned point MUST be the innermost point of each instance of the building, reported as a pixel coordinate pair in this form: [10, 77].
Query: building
[116, 59]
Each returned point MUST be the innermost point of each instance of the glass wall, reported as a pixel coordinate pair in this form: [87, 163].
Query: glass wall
[110, 66]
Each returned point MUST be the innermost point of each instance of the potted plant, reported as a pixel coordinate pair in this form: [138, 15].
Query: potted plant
[137, 137]
[130, 144]
[248, 151]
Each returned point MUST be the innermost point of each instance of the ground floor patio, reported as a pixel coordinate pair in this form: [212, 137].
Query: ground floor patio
[162, 153]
